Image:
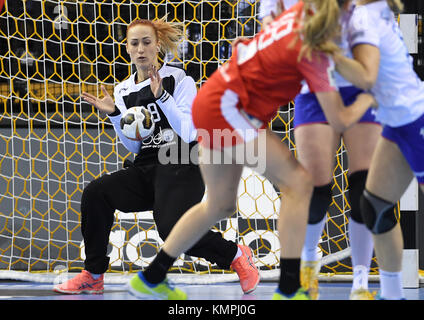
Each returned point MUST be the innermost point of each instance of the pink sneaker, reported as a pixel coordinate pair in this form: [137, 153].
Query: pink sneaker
[81, 283]
[246, 270]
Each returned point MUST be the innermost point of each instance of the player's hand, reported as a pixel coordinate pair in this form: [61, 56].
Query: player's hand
[374, 104]
[155, 82]
[105, 104]
[237, 41]
[369, 98]
[266, 21]
[280, 8]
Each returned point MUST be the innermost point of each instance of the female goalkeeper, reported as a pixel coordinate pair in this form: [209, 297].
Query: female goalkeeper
[383, 65]
[149, 183]
[316, 146]
[231, 112]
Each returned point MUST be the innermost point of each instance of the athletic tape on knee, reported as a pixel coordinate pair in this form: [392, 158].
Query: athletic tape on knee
[321, 199]
[378, 214]
[357, 182]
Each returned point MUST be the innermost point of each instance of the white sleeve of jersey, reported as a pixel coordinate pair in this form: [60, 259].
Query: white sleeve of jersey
[267, 6]
[177, 108]
[130, 145]
[361, 28]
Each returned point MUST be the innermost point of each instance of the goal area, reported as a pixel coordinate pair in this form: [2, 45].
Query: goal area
[52, 143]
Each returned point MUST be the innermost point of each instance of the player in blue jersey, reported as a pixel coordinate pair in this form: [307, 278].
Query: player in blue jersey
[383, 65]
[316, 146]
[169, 186]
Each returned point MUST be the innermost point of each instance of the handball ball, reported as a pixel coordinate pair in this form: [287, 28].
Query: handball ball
[137, 123]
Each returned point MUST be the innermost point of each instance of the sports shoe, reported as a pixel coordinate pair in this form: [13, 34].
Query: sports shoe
[81, 283]
[139, 287]
[245, 268]
[362, 294]
[300, 294]
[309, 277]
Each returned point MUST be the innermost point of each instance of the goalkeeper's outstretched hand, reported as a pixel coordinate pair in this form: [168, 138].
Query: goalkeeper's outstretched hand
[105, 104]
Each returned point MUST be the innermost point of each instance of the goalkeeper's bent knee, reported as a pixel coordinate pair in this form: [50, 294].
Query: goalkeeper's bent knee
[321, 200]
[378, 214]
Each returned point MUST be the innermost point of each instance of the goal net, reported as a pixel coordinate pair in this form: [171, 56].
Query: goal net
[52, 144]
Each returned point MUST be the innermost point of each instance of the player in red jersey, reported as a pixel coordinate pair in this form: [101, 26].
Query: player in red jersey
[231, 112]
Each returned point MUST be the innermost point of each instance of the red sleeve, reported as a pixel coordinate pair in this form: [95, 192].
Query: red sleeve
[318, 72]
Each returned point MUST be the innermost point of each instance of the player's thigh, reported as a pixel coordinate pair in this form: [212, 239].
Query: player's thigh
[316, 145]
[360, 141]
[277, 162]
[127, 190]
[177, 189]
[389, 174]
[221, 179]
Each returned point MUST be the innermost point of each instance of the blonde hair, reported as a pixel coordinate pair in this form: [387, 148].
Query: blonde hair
[167, 34]
[320, 26]
[395, 5]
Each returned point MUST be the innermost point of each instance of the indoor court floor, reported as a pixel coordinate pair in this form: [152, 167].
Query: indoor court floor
[21, 290]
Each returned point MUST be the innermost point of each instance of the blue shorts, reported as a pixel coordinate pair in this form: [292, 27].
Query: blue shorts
[410, 140]
[307, 109]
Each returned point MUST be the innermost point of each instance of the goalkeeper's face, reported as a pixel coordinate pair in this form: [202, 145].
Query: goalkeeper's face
[142, 46]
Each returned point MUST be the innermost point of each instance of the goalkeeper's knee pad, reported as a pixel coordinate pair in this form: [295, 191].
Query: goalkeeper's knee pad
[378, 214]
[321, 199]
[357, 182]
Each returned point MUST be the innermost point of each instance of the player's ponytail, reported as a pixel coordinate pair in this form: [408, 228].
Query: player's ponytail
[395, 5]
[168, 34]
[320, 26]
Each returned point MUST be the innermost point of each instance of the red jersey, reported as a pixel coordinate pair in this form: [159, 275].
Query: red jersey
[265, 72]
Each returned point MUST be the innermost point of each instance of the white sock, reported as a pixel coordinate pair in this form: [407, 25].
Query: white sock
[95, 275]
[362, 245]
[360, 277]
[391, 285]
[313, 235]
[238, 254]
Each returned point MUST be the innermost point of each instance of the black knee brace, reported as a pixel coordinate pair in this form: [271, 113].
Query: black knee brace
[356, 188]
[321, 199]
[377, 214]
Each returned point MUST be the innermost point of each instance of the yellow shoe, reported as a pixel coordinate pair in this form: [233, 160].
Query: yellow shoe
[309, 277]
[163, 291]
[301, 294]
[362, 294]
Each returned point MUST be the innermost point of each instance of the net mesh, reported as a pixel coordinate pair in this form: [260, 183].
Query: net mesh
[53, 144]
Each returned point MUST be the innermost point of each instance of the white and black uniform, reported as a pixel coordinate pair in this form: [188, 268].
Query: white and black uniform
[169, 190]
[171, 112]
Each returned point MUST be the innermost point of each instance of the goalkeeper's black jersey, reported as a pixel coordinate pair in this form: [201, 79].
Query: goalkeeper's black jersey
[174, 135]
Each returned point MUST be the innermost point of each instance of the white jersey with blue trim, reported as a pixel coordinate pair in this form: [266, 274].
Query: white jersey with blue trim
[398, 89]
